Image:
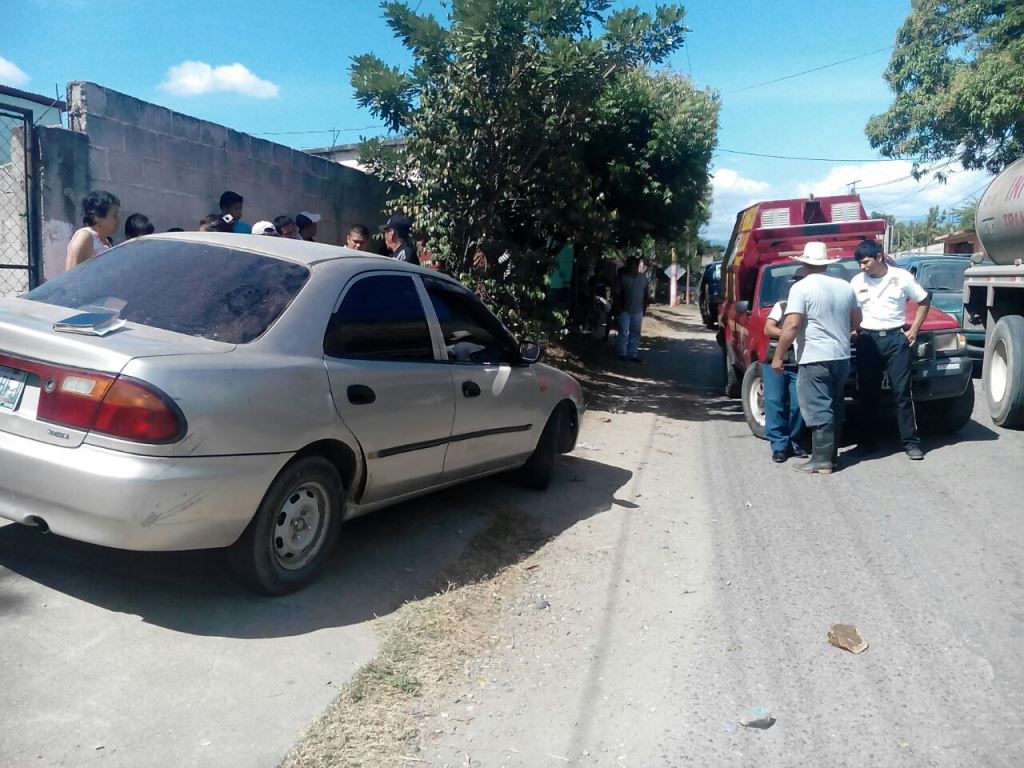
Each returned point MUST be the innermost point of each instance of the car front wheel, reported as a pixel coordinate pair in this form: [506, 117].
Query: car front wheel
[537, 471]
[294, 529]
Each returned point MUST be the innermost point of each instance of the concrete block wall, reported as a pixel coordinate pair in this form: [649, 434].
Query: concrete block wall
[63, 182]
[174, 167]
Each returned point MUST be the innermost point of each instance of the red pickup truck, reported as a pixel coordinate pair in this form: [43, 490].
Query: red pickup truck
[757, 273]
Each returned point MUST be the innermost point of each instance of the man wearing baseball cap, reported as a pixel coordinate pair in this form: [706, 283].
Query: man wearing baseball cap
[821, 314]
[396, 237]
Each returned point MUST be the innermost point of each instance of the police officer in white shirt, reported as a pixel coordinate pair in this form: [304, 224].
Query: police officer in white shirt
[882, 345]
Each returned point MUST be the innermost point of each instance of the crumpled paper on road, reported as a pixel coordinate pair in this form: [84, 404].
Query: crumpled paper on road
[847, 637]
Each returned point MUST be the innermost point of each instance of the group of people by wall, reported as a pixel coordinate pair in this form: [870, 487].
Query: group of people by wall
[101, 215]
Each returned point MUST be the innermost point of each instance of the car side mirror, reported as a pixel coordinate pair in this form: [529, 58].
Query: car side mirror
[742, 307]
[530, 352]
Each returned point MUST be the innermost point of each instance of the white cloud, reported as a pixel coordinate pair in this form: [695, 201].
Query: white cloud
[12, 74]
[194, 78]
[883, 186]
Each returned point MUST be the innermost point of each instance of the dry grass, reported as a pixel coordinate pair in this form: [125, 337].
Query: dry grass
[425, 646]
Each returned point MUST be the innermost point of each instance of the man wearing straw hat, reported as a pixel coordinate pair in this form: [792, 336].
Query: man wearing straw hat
[821, 313]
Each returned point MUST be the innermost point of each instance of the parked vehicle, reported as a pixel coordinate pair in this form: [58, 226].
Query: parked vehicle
[259, 392]
[709, 293]
[994, 295]
[943, 277]
[757, 273]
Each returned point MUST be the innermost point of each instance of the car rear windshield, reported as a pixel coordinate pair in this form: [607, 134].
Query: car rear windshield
[192, 288]
[942, 276]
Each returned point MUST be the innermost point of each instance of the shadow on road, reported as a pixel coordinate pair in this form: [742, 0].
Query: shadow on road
[383, 560]
[678, 378]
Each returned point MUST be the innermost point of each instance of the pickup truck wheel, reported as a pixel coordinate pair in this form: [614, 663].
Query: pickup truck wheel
[1003, 372]
[732, 382]
[753, 399]
[294, 529]
[941, 417]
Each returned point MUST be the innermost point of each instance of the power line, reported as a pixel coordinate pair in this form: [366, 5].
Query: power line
[328, 130]
[809, 71]
[818, 159]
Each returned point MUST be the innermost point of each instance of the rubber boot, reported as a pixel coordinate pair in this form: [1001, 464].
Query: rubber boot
[823, 447]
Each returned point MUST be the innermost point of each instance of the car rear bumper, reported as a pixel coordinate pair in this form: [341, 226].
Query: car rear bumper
[125, 501]
[941, 378]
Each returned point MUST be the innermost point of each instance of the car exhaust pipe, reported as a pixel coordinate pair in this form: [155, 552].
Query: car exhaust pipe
[37, 522]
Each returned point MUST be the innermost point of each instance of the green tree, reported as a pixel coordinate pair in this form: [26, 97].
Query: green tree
[958, 76]
[535, 122]
[908, 235]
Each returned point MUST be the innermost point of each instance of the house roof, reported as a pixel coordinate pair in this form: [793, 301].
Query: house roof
[46, 101]
[393, 142]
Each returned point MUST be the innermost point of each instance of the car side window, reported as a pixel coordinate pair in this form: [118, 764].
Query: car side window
[380, 318]
[471, 332]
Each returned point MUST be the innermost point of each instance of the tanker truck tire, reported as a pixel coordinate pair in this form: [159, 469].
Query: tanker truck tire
[1003, 374]
[941, 417]
[753, 399]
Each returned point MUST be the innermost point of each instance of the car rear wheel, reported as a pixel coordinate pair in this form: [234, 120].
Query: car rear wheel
[944, 416]
[753, 399]
[294, 529]
[1003, 372]
[536, 473]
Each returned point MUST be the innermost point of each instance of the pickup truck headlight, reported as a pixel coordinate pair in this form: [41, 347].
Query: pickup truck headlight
[950, 343]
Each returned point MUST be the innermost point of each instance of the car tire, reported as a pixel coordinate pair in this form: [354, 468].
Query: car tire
[536, 473]
[941, 417]
[752, 394]
[732, 381]
[306, 501]
[1003, 372]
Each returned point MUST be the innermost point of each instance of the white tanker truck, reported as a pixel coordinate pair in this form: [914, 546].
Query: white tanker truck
[994, 295]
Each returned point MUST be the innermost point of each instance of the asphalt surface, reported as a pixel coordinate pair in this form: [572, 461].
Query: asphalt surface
[707, 589]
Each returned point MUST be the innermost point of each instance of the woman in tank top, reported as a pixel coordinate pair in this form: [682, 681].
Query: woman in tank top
[100, 215]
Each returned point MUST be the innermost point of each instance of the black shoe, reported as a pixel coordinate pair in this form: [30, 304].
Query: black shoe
[914, 453]
[779, 457]
[823, 445]
[623, 358]
[797, 452]
[634, 359]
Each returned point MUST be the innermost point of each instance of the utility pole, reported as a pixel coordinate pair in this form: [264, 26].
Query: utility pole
[853, 186]
[689, 258]
[673, 289]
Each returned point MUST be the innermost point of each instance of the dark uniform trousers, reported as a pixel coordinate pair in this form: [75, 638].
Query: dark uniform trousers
[888, 352]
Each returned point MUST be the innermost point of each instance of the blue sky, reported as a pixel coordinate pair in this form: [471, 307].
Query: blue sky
[294, 78]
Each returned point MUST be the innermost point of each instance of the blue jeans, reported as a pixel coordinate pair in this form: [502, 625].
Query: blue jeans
[629, 334]
[821, 388]
[783, 423]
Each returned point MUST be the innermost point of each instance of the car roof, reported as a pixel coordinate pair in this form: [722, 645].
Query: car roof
[302, 252]
[952, 257]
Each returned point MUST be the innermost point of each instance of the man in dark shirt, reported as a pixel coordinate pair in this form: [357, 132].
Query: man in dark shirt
[396, 238]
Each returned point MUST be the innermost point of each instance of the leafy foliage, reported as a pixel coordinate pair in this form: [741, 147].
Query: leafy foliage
[531, 123]
[958, 75]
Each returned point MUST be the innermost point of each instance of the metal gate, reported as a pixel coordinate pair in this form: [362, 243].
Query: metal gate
[19, 262]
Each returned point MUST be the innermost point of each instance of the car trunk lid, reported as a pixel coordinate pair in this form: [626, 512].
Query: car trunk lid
[32, 352]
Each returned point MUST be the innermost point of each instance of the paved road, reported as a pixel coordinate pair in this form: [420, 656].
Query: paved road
[161, 660]
[708, 587]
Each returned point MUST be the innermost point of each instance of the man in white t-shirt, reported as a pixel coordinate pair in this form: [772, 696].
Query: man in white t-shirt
[821, 313]
[882, 292]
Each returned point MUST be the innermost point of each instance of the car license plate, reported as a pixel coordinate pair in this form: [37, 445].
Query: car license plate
[12, 384]
[948, 366]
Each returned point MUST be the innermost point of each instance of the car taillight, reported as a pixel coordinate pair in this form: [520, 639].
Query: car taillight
[71, 398]
[135, 411]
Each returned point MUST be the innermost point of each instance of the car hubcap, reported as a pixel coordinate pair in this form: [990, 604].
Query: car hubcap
[997, 373]
[757, 401]
[298, 532]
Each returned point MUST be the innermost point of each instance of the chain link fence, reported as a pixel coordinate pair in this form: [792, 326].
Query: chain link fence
[15, 264]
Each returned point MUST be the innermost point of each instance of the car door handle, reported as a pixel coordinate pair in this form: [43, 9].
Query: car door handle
[359, 394]
[470, 389]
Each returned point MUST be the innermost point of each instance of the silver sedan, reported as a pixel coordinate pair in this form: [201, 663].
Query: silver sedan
[189, 391]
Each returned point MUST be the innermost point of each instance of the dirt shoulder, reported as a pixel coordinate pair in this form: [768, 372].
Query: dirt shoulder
[558, 619]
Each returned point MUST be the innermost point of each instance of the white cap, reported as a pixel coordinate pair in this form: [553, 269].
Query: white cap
[261, 227]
